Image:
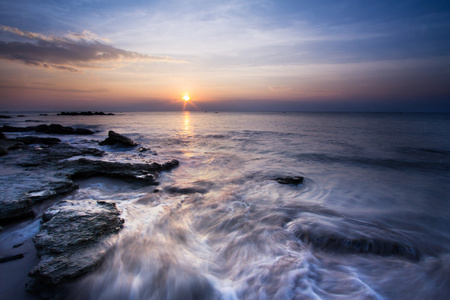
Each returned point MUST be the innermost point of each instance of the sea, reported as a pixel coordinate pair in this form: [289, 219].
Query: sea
[371, 219]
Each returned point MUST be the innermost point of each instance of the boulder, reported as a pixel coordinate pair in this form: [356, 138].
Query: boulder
[116, 138]
[70, 240]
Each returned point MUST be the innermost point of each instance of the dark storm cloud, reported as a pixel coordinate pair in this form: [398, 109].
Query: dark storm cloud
[77, 50]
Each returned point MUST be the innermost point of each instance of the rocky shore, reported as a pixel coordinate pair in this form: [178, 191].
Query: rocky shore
[71, 237]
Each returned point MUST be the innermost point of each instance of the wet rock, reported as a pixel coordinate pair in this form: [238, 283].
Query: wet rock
[148, 173]
[5, 117]
[349, 236]
[3, 151]
[17, 245]
[28, 140]
[11, 258]
[70, 240]
[2, 136]
[290, 180]
[200, 186]
[49, 129]
[116, 138]
[12, 209]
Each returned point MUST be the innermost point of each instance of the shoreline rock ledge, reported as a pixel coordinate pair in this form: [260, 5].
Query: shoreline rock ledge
[71, 241]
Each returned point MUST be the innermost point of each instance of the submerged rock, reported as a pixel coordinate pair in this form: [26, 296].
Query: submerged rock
[290, 180]
[349, 236]
[10, 258]
[116, 138]
[70, 240]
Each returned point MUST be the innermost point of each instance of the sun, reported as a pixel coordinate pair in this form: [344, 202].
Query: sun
[186, 98]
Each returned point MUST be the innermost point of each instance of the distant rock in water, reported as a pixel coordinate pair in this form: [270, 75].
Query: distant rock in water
[5, 117]
[2, 136]
[116, 138]
[85, 113]
[290, 180]
[50, 129]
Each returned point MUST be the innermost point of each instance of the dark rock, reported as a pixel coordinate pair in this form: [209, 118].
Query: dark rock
[28, 140]
[116, 138]
[21, 116]
[17, 245]
[5, 117]
[69, 242]
[148, 173]
[290, 180]
[43, 115]
[3, 152]
[143, 149]
[82, 131]
[200, 186]
[2, 136]
[85, 113]
[349, 236]
[50, 129]
[11, 209]
[10, 258]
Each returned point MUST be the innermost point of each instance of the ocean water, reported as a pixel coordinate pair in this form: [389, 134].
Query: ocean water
[370, 221]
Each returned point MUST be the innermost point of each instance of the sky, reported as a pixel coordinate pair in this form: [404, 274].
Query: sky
[243, 55]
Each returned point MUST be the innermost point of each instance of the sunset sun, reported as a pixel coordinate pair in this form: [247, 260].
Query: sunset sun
[186, 98]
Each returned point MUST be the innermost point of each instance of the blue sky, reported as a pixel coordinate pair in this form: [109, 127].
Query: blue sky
[231, 55]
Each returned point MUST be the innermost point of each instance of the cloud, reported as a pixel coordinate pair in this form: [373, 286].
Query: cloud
[279, 88]
[69, 53]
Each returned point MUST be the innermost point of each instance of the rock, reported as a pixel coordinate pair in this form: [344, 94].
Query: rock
[50, 129]
[147, 173]
[3, 151]
[17, 245]
[28, 140]
[116, 138]
[2, 136]
[290, 180]
[12, 209]
[5, 117]
[199, 186]
[70, 240]
[350, 236]
[10, 258]
[21, 116]
[143, 149]
[85, 113]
